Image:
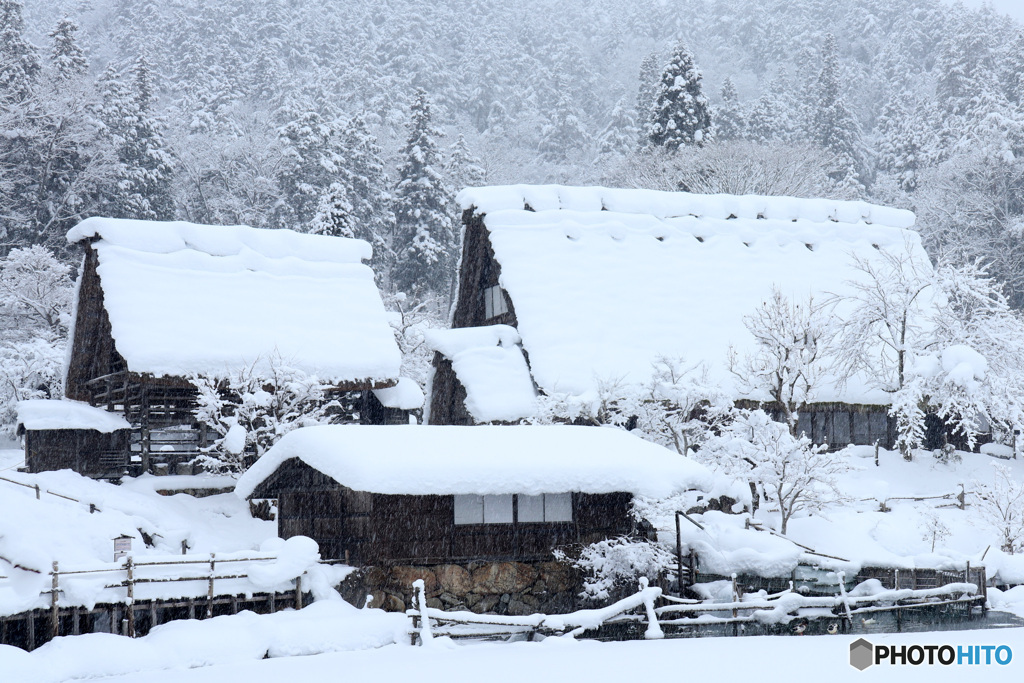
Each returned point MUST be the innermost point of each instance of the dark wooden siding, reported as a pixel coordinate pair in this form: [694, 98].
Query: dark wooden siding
[478, 270]
[92, 346]
[85, 451]
[377, 529]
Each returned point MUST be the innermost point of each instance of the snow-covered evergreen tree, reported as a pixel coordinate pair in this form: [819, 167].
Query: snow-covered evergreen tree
[833, 126]
[334, 213]
[424, 243]
[66, 56]
[462, 169]
[647, 93]
[564, 131]
[312, 158]
[730, 123]
[620, 135]
[19, 63]
[681, 114]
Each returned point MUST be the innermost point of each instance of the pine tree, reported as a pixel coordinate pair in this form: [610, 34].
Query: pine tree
[334, 213]
[681, 114]
[834, 128]
[564, 131]
[730, 123]
[905, 139]
[620, 135]
[423, 241]
[362, 173]
[145, 164]
[462, 169]
[19, 64]
[647, 93]
[311, 160]
[66, 56]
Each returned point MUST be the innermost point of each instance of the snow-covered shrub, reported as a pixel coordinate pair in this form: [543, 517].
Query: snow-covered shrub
[35, 293]
[789, 471]
[935, 531]
[250, 411]
[794, 352]
[28, 369]
[1001, 508]
[614, 565]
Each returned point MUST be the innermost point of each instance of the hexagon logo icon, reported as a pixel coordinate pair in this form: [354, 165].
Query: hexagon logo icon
[862, 654]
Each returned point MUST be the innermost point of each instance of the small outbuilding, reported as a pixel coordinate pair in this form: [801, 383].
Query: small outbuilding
[73, 435]
[478, 503]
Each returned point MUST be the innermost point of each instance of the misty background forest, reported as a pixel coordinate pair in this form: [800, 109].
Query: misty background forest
[364, 118]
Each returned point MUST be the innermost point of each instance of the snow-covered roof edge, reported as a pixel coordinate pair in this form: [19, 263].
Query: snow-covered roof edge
[39, 414]
[446, 460]
[662, 204]
[164, 237]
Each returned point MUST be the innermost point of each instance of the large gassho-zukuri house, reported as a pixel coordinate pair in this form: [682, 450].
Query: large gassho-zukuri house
[158, 303]
[562, 287]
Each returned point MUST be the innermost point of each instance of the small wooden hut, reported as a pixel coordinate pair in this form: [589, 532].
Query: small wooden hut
[435, 497]
[561, 288]
[72, 435]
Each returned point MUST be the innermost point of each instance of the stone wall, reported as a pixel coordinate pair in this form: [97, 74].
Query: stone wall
[483, 587]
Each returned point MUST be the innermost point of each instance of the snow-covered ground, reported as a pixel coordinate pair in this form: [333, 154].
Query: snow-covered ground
[855, 529]
[349, 643]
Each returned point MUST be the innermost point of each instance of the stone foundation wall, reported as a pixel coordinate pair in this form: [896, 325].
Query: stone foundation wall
[517, 588]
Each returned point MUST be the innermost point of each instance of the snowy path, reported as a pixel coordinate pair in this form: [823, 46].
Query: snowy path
[727, 659]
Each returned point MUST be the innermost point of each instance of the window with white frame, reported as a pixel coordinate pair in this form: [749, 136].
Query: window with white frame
[494, 302]
[508, 508]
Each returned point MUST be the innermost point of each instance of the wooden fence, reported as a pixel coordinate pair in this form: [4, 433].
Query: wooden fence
[679, 617]
[124, 610]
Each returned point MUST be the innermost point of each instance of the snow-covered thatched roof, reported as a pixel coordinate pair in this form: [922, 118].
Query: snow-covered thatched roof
[185, 298]
[423, 460]
[37, 414]
[604, 281]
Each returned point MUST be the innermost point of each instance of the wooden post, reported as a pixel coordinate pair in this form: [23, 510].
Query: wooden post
[92, 508]
[130, 566]
[209, 593]
[37, 491]
[298, 592]
[54, 611]
[876, 453]
[842, 594]
[679, 556]
[735, 612]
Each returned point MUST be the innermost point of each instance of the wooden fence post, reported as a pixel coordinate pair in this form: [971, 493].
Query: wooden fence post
[209, 593]
[54, 612]
[37, 491]
[298, 592]
[130, 566]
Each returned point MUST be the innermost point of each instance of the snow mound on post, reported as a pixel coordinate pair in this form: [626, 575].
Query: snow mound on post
[490, 364]
[406, 395]
[38, 414]
[203, 299]
[605, 281]
[442, 460]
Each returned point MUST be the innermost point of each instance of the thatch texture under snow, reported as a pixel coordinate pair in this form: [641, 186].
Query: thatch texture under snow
[210, 300]
[604, 281]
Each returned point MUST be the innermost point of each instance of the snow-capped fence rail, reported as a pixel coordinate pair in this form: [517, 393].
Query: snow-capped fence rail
[471, 625]
[111, 591]
[684, 617]
[39, 491]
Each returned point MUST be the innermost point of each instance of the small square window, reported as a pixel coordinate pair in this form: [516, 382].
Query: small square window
[557, 507]
[498, 509]
[531, 508]
[494, 302]
[469, 509]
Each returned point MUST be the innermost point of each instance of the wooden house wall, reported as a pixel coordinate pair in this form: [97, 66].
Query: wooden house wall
[92, 346]
[378, 529]
[478, 270]
[81, 450]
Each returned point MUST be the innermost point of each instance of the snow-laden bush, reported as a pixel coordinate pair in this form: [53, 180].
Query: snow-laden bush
[614, 565]
[250, 411]
[1000, 505]
[788, 471]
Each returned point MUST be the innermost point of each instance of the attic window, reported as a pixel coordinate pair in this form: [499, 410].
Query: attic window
[508, 508]
[494, 302]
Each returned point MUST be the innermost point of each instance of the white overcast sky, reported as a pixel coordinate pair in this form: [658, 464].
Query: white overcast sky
[1015, 8]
